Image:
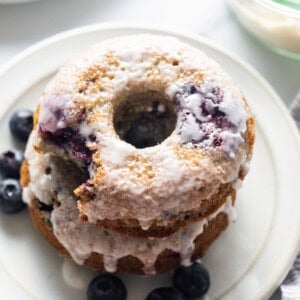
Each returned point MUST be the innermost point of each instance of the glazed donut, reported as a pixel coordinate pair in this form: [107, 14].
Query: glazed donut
[159, 134]
[101, 249]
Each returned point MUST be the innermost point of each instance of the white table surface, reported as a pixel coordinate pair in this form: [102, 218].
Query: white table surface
[21, 25]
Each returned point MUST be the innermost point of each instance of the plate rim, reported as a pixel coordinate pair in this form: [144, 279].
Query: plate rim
[125, 26]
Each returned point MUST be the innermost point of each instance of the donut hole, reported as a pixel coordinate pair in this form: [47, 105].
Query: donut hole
[145, 119]
[48, 170]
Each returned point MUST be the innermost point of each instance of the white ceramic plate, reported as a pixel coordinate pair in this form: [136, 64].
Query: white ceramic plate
[247, 262]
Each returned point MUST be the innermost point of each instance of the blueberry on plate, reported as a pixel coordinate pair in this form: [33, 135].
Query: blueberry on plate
[10, 163]
[192, 281]
[106, 287]
[11, 196]
[21, 123]
[165, 293]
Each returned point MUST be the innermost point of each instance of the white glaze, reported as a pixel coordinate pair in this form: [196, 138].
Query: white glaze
[81, 238]
[246, 167]
[190, 130]
[47, 113]
[235, 111]
[76, 276]
[85, 130]
[238, 184]
[146, 180]
[41, 185]
[231, 141]
[171, 90]
[116, 150]
[198, 128]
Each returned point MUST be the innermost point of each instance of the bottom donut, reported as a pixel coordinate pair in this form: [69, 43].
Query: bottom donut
[54, 212]
[166, 261]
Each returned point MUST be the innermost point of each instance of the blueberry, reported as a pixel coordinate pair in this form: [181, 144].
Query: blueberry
[165, 293]
[106, 287]
[192, 281]
[69, 138]
[10, 163]
[11, 196]
[21, 123]
[217, 142]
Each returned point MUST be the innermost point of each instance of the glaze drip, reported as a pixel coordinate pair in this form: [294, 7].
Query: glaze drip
[81, 239]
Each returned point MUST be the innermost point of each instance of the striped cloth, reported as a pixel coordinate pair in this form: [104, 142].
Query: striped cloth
[290, 288]
[295, 109]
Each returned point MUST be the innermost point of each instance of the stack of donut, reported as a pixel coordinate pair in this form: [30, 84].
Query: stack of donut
[138, 147]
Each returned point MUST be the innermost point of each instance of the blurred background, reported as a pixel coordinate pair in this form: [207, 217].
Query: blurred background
[23, 24]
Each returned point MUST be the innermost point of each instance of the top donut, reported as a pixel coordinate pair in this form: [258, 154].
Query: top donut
[160, 134]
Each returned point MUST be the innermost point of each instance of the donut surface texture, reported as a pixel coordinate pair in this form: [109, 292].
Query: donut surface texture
[197, 138]
[138, 147]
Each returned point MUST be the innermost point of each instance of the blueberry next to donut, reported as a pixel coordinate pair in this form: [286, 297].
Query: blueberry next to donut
[192, 281]
[10, 163]
[11, 196]
[165, 293]
[21, 123]
[106, 287]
